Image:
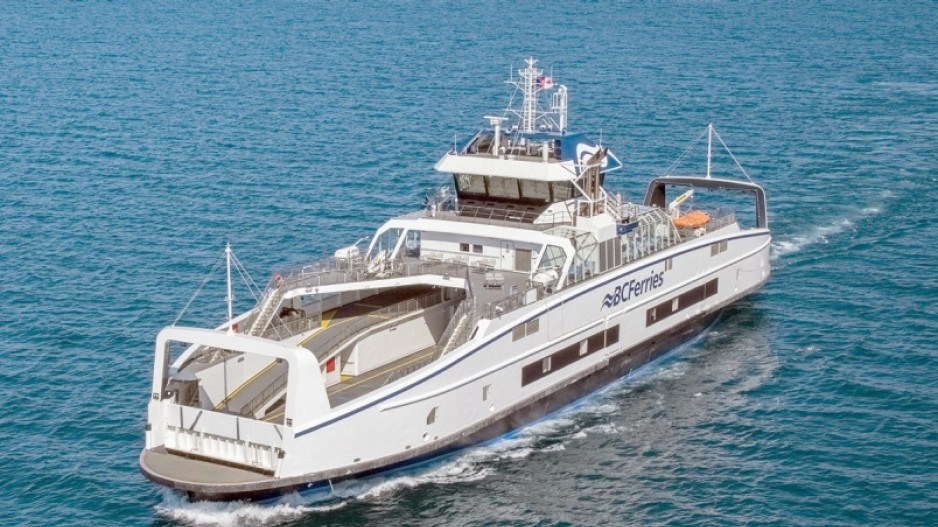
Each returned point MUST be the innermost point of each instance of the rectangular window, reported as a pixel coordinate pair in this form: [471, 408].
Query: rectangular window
[681, 302]
[476, 249]
[523, 330]
[504, 187]
[651, 316]
[561, 190]
[533, 190]
[467, 184]
[464, 247]
[710, 288]
[517, 333]
[568, 355]
[522, 260]
[596, 342]
[485, 392]
[718, 247]
[669, 264]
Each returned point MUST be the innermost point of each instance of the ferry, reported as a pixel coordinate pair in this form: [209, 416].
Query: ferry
[520, 288]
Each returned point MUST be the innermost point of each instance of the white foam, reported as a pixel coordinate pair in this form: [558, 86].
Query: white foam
[234, 514]
[604, 428]
[818, 235]
[456, 471]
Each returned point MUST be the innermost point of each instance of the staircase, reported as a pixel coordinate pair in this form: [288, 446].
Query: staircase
[463, 319]
[454, 338]
[268, 309]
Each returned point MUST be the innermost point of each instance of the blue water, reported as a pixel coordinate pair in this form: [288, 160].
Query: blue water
[137, 137]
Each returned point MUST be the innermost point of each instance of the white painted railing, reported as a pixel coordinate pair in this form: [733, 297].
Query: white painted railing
[230, 438]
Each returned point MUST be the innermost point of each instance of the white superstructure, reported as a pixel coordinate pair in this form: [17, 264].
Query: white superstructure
[521, 289]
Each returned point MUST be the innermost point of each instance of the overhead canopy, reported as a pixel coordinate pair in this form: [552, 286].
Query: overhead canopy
[513, 168]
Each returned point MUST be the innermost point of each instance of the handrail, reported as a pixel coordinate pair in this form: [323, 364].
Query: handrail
[330, 271]
[407, 370]
[292, 327]
[512, 302]
[278, 384]
[454, 322]
[496, 216]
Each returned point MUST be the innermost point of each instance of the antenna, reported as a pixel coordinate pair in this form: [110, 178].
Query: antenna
[529, 106]
[709, 147]
[230, 297]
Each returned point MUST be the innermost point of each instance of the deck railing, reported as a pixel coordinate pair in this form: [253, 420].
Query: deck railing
[328, 271]
[280, 329]
[524, 219]
[260, 399]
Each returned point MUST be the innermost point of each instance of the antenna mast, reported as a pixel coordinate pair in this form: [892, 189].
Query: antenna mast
[529, 78]
[709, 147]
[230, 297]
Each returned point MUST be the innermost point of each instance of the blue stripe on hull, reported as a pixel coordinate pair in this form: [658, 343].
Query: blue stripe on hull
[635, 359]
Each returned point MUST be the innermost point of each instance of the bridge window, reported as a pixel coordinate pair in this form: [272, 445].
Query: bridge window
[553, 258]
[535, 190]
[502, 187]
[561, 190]
[387, 241]
[468, 184]
[412, 244]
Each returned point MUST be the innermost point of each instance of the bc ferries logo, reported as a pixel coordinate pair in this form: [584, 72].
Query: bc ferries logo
[633, 288]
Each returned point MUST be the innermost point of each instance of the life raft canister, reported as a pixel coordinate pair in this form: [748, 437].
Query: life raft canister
[692, 220]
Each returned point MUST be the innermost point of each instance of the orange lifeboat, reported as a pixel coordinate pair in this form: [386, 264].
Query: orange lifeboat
[691, 220]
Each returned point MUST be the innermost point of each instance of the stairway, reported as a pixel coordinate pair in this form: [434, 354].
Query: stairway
[453, 340]
[268, 309]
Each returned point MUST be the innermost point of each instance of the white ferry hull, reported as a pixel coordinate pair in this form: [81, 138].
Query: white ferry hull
[585, 337]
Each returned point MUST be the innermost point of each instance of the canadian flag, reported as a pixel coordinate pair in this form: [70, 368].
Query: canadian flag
[544, 82]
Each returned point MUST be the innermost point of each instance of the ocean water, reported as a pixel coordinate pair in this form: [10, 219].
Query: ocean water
[137, 137]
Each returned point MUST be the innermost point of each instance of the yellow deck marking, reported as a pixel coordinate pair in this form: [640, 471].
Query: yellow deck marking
[276, 415]
[327, 317]
[247, 382]
[366, 379]
[309, 338]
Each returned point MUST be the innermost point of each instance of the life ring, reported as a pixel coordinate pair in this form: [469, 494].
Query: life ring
[278, 280]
